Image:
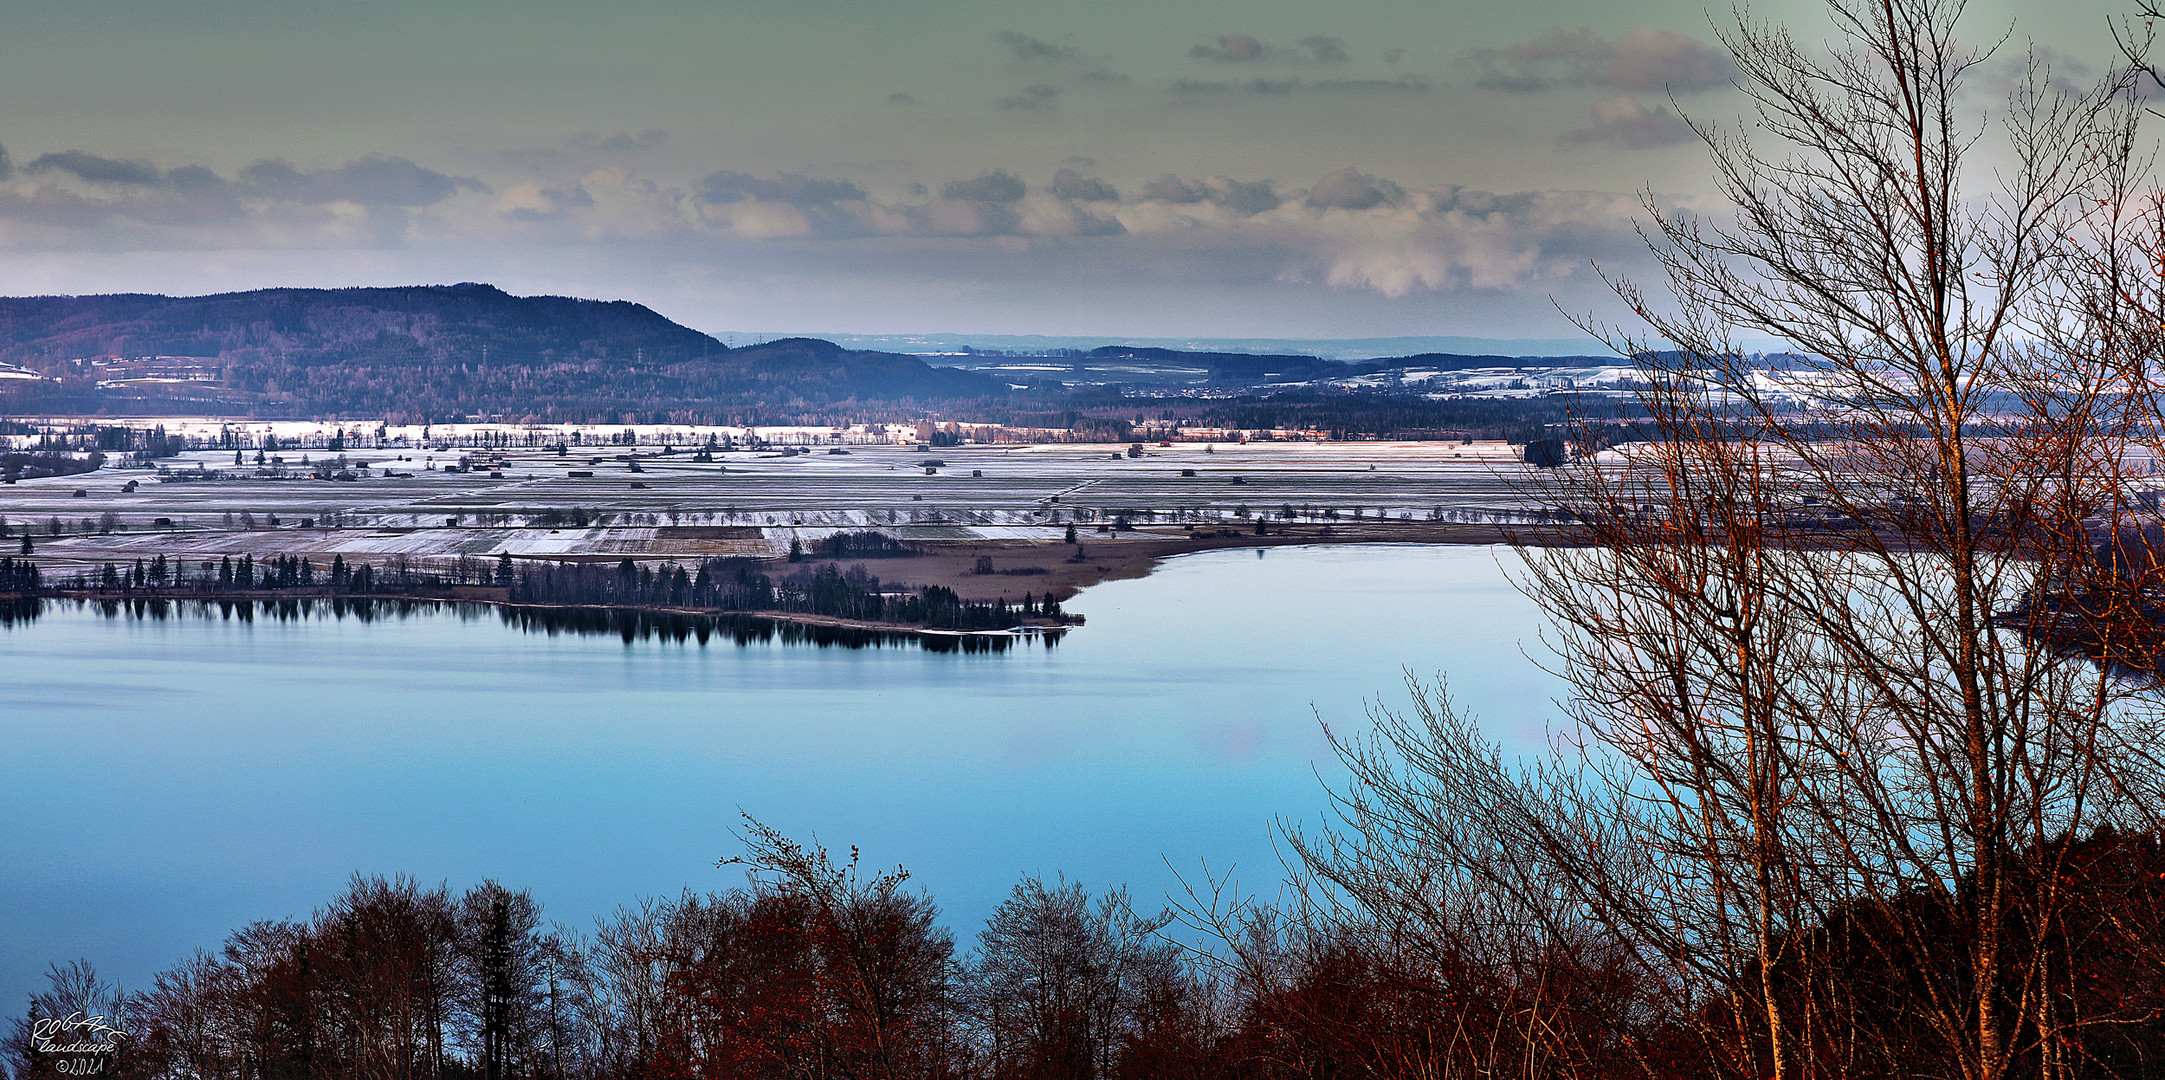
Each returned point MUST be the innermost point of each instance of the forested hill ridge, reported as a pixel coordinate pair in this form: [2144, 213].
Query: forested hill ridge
[446, 353]
[431, 352]
[407, 324]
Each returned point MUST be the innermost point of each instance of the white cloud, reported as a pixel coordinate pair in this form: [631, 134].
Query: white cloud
[1620, 120]
[1642, 59]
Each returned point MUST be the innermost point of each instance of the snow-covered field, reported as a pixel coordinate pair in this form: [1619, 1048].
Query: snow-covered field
[742, 503]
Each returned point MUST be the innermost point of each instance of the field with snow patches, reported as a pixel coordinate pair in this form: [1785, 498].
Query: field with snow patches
[402, 502]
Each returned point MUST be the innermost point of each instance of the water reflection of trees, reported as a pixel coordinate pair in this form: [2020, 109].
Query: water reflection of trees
[631, 625]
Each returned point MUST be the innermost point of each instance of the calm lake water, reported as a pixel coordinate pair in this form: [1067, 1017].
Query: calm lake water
[167, 782]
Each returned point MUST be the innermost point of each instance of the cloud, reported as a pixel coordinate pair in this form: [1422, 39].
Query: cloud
[1325, 50]
[997, 186]
[728, 187]
[1034, 96]
[1246, 48]
[99, 170]
[1620, 120]
[1075, 187]
[7, 167]
[900, 98]
[1229, 49]
[1241, 197]
[2054, 72]
[1648, 58]
[623, 142]
[610, 204]
[1044, 214]
[1172, 189]
[1350, 189]
[389, 181]
[375, 180]
[1457, 239]
[1404, 85]
[1642, 59]
[1354, 231]
[72, 199]
[589, 145]
[194, 178]
[785, 205]
[1348, 230]
[1290, 85]
[953, 216]
[528, 200]
[1029, 48]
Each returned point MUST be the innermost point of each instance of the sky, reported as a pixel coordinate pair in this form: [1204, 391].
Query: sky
[1255, 168]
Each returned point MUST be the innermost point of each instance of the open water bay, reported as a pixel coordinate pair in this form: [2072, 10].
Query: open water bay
[168, 781]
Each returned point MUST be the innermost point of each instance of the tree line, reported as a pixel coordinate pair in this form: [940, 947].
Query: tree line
[713, 586]
[742, 584]
[20, 576]
[20, 465]
[821, 968]
[227, 576]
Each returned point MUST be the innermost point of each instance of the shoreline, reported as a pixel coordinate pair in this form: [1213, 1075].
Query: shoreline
[1116, 557]
[478, 597]
[1128, 555]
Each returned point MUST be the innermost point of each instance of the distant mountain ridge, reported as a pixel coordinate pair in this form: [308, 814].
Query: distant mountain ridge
[431, 351]
[416, 323]
[1347, 349]
[434, 353]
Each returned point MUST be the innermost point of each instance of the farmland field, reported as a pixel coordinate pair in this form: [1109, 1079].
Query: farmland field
[1014, 503]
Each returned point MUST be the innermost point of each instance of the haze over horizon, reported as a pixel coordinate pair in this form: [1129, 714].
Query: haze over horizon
[1209, 170]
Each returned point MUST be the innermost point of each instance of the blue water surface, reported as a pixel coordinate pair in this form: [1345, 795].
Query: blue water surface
[167, 782]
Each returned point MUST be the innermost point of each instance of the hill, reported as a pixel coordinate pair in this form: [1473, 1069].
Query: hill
[468, 323]
[429, 352]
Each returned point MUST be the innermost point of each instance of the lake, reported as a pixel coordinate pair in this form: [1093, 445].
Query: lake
[171, 780]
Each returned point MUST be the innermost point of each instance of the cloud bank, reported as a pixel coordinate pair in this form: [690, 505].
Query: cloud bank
[1345, 230]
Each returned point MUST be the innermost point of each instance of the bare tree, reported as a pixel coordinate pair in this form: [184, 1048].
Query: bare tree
[80, 1025]
[884, 969]
[1060, 985]
[1830, 749]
